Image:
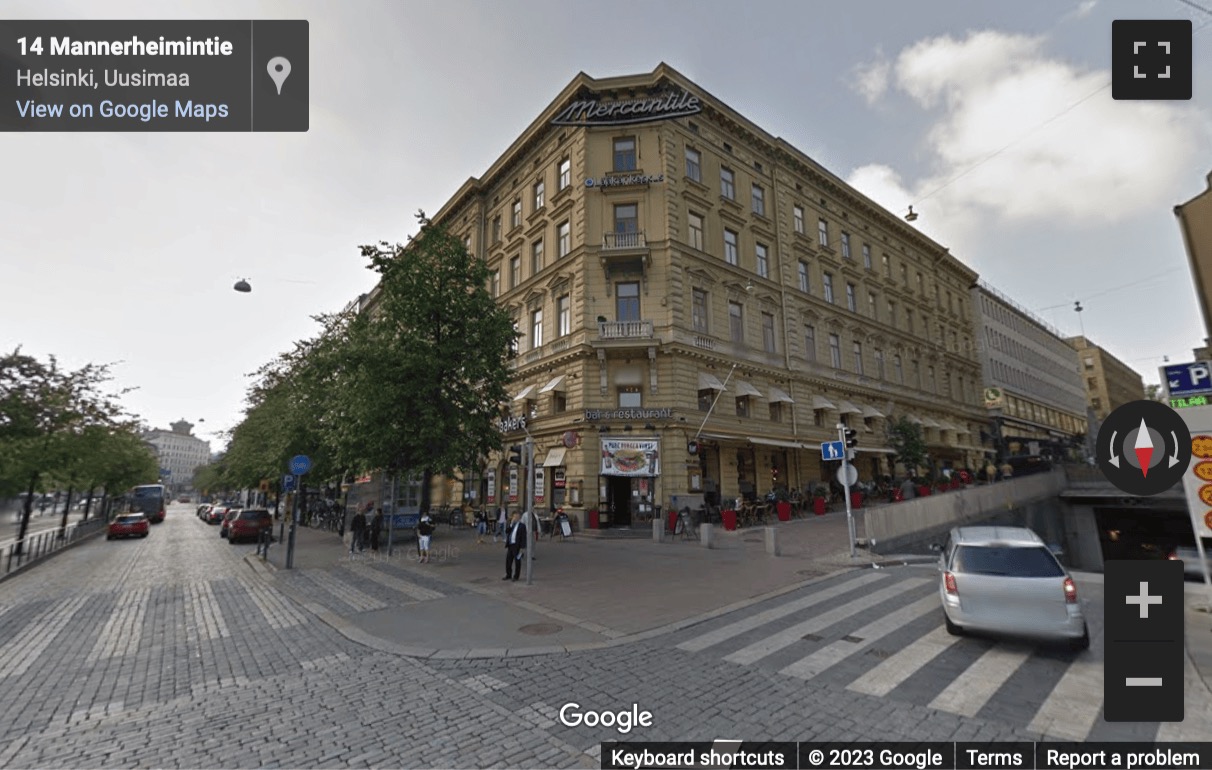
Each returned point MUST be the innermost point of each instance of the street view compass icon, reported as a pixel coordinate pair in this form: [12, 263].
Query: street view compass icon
[1144, 448]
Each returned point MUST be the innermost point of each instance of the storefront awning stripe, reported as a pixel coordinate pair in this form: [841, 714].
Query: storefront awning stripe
[709, 382]
[556, 384]
[524, 393]
[873, 413]
[845, 407]
[776, 442]
[745, 389]
[820, 402]
[555, 457]
[778, 395]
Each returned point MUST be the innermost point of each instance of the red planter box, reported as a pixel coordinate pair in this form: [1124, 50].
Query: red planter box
[923, 491]
[818, 506]
[593, 519]
[729, 518]
[856, 500]
[784, 510]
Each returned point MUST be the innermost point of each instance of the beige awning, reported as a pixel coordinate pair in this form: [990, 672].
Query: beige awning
[745, 389]
[778, 395]
[963, 429]
[709, 382]
[879, 450]
[915, 419]
[525, 393]
[555, 457]
[845, 407]
[929, 423]
[556, 384]
[872, 413]
[820, 402]
[775, 442]
[946, 425]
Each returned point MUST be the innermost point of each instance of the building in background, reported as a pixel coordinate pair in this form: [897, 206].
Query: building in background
[1109, 382]
[700, 305]
[1195, 221]
[180, 453]
[1033, 388]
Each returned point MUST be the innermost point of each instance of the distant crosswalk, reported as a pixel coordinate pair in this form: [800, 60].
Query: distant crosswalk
[882, 634]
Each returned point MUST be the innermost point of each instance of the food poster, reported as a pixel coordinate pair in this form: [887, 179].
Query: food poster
[621, 457]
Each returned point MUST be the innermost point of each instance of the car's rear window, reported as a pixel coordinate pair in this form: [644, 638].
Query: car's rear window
[1011, 561]
[254, 515]
[130, 519]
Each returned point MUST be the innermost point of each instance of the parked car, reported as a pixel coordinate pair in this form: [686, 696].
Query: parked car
[249, 524]
[128, 525]
[1005, 580]
[225, 524]
[203, 509]
[216, 513]
[1189, 555]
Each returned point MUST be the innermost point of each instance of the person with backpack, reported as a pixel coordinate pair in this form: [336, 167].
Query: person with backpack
[357, 529]
[424, 532]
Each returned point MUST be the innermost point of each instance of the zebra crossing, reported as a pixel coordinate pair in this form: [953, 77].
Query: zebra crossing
[881, 633]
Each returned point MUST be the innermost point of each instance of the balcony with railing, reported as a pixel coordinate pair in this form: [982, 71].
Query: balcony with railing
[625, 330]
[623, 242]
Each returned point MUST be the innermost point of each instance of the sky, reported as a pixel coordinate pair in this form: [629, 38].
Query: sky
[993, 120]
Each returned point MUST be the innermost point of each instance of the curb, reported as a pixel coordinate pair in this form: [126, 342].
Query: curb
[46, 557]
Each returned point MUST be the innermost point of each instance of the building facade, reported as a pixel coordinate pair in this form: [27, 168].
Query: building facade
[1195, 222]
[180, 453]
[1110, 383]
[1033, 388]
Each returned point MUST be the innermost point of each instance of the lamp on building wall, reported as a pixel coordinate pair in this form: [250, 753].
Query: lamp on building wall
[911, 216]
[749, 286]
[242, 286]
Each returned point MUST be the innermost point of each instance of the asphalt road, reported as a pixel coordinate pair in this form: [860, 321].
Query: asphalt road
[170, 651]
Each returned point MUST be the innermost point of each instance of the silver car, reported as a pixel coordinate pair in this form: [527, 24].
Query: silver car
[1189, 555]
[1005, 580]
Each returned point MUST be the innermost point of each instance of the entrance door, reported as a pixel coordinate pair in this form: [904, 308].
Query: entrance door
[619, 490]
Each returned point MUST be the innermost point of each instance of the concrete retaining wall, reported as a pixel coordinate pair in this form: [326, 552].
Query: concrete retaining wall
[891, 525]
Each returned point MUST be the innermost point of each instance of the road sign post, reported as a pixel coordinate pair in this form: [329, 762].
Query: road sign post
[845, 472]
[299, 465]
[533, 520]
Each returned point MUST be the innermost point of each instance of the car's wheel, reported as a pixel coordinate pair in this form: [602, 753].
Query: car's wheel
[109, 537]
[952, 629]
[1082, 642]
[143, 535]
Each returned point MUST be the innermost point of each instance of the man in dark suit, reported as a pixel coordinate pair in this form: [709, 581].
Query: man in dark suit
[515, 543]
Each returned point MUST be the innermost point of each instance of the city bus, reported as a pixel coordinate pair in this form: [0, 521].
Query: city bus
[150, 499]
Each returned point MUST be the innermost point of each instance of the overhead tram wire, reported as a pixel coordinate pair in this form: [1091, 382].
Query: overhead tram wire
[1132, 285]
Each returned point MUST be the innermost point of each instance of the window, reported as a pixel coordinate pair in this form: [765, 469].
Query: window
[900, 371]
[866, 256]
[822, 230]
[828, 287]
[624, 154]
[496, 229]
[810, 342]
[909, 321]
[559, 402]
[763, 261]
[803, 273]
[494, 283]
[513, 342]
[835, 351]
[563, 239]
[515, 219]
[540, 190]
[879, 363]
[563, 316]
[630, 397]
[695, 223]
[565, 172]
[698, 310]
[727, 184]
[536, 329]
[515, 272]
[797, 219]
[627, 301]
[742, 406]
[917, 374]
[736, 322]
[626, 225]
[851, 302]
[706, 399]
[768, 332]
[950, 303]
[730, 247]
[872, 308]
[858, 358]
[776, 411]
[921, 284]
[759, 201]
[536, 257]
[905, 275]
[887, 267]
[694, 165]
[846, 245]
[467, 244]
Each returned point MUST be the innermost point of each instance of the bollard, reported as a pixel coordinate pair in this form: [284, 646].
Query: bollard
[657, 530]
[772, 541]
[705, 532]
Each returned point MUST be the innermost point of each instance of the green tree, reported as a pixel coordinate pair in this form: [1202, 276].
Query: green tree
[1154, 392]
[905, 438]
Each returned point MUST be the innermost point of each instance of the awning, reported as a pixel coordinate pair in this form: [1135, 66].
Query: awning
[745, 389]
[709, 382]
[820, 402]
[963, 429]
[525, 393]
[879, 450]
[872, 413]
[776, 442]
[556, 384]
[778, 395]
[555, 457]
[945, 425]
[913, 418]
[845, 407]
[719, 437]
[929, 423]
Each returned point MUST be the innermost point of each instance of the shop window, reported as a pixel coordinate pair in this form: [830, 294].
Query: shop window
[630, 397]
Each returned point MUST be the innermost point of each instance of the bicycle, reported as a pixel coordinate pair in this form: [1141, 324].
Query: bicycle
[685, 526]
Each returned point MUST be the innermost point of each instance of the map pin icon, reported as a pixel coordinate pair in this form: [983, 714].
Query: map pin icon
[279, 70]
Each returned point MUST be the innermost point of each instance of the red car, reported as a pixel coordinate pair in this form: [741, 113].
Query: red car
[128, 525]
[249, 524]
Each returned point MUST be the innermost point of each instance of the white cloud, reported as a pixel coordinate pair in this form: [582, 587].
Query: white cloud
[1083, 9]
[871, 81]
[1023, 138]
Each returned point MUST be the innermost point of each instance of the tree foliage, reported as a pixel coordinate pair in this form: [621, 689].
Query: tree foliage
[905, 438]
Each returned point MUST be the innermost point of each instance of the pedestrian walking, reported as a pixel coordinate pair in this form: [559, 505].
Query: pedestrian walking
[424, 532]
[481, 526]
[502, 519]
[376, 529]
[515, 544]
[357, 529]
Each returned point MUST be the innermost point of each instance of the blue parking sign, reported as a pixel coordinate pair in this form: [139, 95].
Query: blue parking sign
[1188, 379]
[288, 483]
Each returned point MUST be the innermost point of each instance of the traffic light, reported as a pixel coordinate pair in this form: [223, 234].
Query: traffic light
[515, 454]
[851, 438]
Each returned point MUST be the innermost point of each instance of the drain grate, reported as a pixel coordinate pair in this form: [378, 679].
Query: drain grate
[541, 629]
[812, 638]
[852, 639]
[880, 654]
